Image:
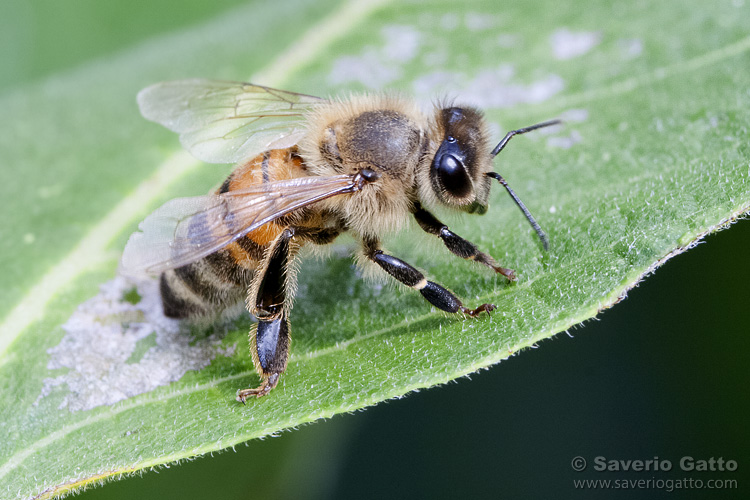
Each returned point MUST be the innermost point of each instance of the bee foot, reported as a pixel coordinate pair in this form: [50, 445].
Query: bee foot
[508, 273]
[475, 312]
[262, 390]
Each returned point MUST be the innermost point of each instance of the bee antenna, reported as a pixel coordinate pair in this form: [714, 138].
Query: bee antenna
[529, 217]
[510, 134]
[500, 146]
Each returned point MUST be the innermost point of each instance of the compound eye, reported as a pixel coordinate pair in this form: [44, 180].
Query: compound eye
[453, 177]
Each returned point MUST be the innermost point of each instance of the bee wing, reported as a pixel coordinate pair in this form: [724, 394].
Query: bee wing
[225, 122]
[185, 230]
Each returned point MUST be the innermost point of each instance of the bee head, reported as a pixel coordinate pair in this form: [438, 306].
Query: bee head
[458, 170]
[461, 174]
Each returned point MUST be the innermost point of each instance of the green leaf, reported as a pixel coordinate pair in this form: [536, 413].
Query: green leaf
[653, 156]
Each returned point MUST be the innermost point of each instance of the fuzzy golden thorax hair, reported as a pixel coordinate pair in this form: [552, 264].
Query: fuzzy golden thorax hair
[386, 134]
[392, 137]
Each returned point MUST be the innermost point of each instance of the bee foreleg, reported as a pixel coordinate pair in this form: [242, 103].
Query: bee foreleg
[457, 245]
[435, 294]
[269, 340]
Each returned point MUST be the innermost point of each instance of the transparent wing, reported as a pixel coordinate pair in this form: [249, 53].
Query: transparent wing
[225, 122]
[185, 230]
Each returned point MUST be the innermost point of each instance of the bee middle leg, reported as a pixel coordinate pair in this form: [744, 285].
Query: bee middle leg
[269, 340]
[435, 294]
[457, 245]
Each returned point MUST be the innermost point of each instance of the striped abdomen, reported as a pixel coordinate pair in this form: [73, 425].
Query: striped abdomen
[223, 278]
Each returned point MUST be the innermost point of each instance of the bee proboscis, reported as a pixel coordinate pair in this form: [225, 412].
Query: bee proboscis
[308, 169]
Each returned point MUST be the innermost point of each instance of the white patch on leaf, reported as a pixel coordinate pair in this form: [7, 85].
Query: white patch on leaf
[476, 21]
[375, 67]
[568, 44]
[630, 48]
[490, 88]
[449, 21]
[99, 350]
[401, 43]
[508, 40]
[574, 115]
[565, 142]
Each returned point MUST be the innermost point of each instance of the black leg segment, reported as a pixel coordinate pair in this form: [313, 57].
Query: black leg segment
[457, 245]
[440, 297]
[272, 343]
[269, 300]
[400, 270]
[435, 294]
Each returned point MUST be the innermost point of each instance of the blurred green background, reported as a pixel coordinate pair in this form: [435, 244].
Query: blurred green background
[649, 378]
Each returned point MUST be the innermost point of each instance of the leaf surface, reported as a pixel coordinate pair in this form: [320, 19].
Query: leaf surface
[653, 156]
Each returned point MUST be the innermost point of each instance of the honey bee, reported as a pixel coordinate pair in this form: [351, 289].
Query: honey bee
[308, 169]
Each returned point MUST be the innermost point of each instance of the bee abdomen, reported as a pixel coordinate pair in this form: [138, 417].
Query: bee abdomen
[203, 287]
[220, 280]
[177, 302]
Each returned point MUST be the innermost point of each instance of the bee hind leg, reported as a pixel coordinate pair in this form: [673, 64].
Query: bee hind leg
[270, 348]
[269, 302]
